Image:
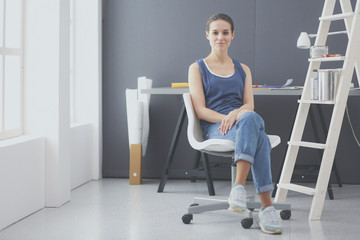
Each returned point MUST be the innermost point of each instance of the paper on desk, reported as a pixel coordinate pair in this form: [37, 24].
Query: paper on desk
[134, 110]
[144, 83]
[288, 82]
[287, 86]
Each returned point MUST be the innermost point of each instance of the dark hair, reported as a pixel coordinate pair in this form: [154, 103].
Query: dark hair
[220, 16]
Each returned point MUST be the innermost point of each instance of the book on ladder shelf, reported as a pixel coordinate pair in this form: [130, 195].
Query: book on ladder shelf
[350, 61]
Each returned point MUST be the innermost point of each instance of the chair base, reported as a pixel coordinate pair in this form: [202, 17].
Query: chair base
[201, 205]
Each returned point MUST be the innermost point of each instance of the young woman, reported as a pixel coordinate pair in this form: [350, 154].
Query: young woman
[221, 92]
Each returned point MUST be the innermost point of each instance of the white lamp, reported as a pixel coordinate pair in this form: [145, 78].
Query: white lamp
[303, 41]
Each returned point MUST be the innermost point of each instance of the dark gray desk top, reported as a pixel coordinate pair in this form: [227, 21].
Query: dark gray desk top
[257, 91]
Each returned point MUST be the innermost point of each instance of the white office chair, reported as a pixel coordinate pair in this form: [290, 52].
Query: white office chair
[224, 148]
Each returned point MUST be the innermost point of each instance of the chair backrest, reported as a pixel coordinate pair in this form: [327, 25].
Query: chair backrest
[194, 130]
[195, 134]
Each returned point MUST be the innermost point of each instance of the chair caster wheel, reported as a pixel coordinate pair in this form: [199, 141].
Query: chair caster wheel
[186, 218]
[285, 214]
[247, 223]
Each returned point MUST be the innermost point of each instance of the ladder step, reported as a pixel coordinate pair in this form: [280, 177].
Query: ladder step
[327, 59]
[308, 144]
[337, 16]
[297, 188]
[316, 102]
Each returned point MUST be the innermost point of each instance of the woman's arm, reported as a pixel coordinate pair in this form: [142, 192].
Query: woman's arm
[198, 97]
[248, 96]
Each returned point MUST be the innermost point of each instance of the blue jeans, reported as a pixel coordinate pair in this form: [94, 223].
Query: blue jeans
[251, 144]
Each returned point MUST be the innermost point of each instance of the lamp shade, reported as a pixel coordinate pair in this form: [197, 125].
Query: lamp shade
[303, 41]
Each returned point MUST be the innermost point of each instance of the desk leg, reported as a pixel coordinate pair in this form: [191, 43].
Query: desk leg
[196, 164]
[208, 174]
[173, 144]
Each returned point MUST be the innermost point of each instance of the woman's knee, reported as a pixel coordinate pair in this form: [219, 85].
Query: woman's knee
[250, 119]
[250, 116]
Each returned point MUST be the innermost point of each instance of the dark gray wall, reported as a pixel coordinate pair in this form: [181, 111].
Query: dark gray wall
[159, 39]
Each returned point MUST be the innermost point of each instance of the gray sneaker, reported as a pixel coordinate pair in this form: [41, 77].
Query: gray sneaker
[237, 199]
[269, 221]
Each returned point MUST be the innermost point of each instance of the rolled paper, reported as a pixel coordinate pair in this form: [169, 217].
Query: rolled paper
[134, 109]
[144, 83]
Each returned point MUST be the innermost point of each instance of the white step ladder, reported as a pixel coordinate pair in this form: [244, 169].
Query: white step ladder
[351, 62]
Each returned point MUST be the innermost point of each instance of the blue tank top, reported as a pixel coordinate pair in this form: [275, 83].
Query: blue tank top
[222, 94]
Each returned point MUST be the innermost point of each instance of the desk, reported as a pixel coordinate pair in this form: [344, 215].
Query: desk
[256, 91]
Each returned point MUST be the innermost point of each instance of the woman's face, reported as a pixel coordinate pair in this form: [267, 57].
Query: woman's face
[220, 34]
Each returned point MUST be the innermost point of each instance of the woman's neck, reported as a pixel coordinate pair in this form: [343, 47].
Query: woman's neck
[218, 57]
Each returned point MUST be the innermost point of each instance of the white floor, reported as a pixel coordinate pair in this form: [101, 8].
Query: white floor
[112, 209]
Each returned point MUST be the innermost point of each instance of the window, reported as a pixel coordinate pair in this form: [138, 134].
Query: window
[11, 68]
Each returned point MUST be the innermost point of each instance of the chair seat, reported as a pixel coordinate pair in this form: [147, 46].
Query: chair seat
[223, 145]
[274, 140]
[216, 145]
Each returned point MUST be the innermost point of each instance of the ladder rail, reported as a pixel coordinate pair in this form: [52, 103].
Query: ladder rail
[324, 26]
[346, 8]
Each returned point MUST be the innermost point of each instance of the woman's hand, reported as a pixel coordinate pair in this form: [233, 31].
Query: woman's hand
[241, 112]
[228, 122]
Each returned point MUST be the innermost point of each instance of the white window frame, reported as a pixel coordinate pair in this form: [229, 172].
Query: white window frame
[5, 134]
[72, 62]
